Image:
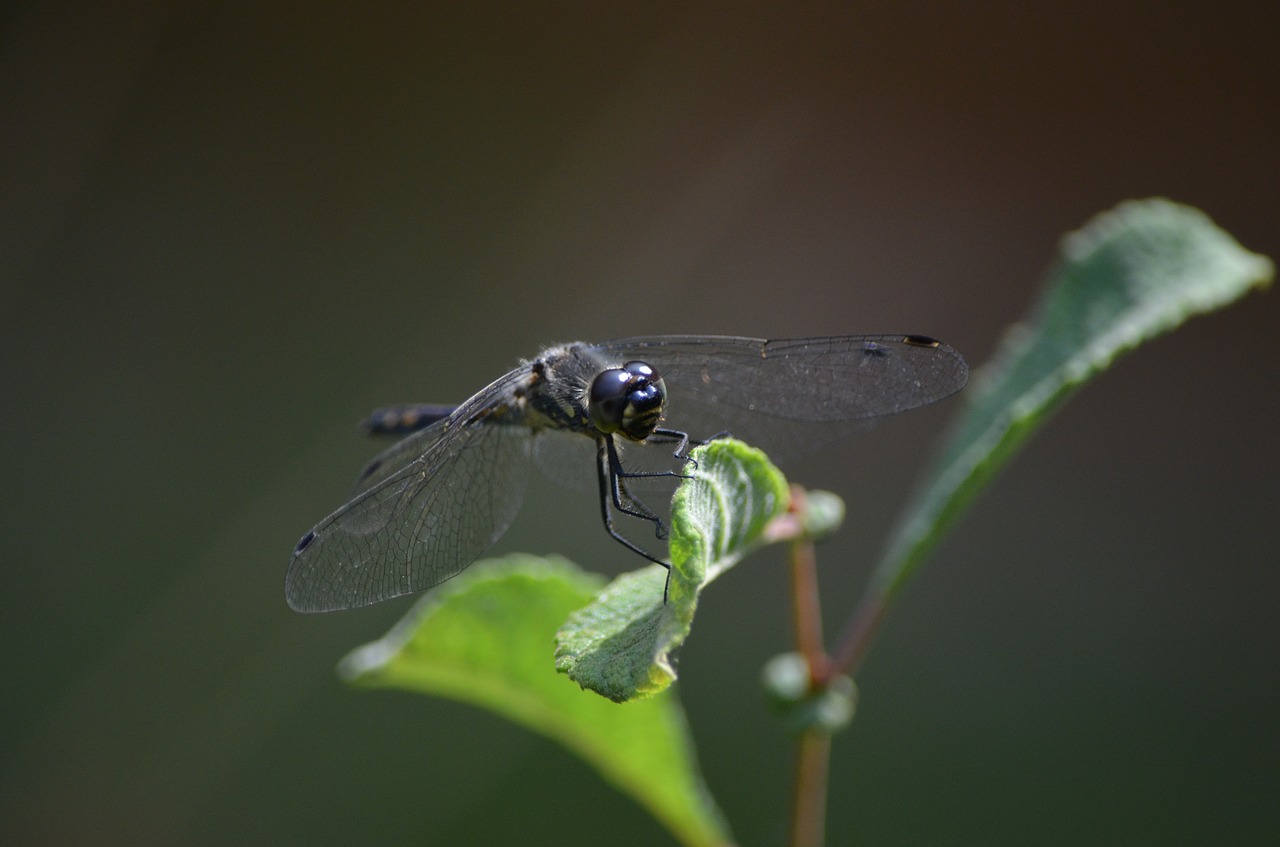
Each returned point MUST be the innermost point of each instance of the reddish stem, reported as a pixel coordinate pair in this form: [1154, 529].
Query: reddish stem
[808, 611]
[809, 801]
[809, 809]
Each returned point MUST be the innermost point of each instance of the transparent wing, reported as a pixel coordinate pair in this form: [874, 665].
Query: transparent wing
[567, 458]
[759, 390]
[402, 453]
[433, 504]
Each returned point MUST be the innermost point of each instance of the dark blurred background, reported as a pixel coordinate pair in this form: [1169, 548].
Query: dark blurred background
[231, 229]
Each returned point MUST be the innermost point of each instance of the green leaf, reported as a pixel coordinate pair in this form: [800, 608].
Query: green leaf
[620, 645]
[485, 638]
[1130, 275]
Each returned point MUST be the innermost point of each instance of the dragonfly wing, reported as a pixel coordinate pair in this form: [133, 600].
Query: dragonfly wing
[416, 521]
[481, 407]
[759, 390]
[398, 456]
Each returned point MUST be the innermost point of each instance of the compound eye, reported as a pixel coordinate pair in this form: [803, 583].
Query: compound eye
[627, 400]
[640, 370]
[644, 409]
[608, 401]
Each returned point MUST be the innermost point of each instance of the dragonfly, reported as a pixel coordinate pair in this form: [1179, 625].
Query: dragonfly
[433, 502]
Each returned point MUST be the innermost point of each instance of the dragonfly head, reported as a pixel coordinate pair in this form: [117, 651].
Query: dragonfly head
[628, 400]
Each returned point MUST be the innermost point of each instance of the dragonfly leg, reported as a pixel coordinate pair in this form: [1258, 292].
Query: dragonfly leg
[621, 495]
[684, 442]
[608, 469]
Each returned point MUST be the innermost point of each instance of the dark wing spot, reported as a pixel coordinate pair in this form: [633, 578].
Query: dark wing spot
[921, 341]
[305, 542]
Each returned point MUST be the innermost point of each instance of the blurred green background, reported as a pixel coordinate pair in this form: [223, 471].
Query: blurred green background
[231, 229]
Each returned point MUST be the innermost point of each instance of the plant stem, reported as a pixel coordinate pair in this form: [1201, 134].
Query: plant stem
[808, 611]
[809, 809]
[813, 753]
